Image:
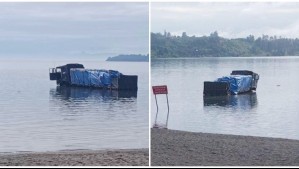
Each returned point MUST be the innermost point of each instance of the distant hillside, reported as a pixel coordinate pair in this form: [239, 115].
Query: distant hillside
[169, 46]
[129, 58]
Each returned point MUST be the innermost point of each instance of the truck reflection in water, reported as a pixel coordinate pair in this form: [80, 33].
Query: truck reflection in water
[82, 101]
[81, 93]
[242, 101]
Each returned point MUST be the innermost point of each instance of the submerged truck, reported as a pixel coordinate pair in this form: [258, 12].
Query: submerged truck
[77, 75]
[240, 81]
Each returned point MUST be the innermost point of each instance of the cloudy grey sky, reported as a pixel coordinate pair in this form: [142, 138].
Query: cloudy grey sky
[231, 20]
[73, 29]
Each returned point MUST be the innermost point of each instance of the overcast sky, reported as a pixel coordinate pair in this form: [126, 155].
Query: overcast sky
[231, 20]
[73, 29]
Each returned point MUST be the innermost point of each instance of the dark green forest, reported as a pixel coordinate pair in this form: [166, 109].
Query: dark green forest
[169, 46]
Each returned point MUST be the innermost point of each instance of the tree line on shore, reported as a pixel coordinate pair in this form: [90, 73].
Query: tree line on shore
[170, 46]
[130, 58]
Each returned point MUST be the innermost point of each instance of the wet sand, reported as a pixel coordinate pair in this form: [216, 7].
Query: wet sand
[78, 158]
[177, 148]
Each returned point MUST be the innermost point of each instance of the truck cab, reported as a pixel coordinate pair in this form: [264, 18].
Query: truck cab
[62, 73]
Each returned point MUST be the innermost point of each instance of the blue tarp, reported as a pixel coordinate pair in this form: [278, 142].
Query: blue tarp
[237, 83]
[96, 78]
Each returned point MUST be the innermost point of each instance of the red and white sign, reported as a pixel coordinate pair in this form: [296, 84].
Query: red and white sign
[160, 90]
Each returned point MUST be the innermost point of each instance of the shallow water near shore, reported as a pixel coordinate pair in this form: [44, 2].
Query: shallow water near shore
[38, 116]
[270, 112]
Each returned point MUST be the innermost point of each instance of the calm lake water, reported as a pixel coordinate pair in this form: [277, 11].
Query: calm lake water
[273, 111]
[36, 115]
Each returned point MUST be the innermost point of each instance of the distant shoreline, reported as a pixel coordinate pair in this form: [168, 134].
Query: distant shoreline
[137, 157]
[127, 61]
[129, 58]
[167, 45]
[240, 57]
[179, 148]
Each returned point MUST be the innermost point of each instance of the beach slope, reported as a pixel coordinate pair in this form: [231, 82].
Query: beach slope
[177, 148]
[78, 158]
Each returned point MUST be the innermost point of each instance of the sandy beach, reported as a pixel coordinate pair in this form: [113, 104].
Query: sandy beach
[78, 158]
[177, 148]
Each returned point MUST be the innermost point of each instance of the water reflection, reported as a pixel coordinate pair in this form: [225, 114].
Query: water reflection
[81, 93]
[80, 101]
[243, 101]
